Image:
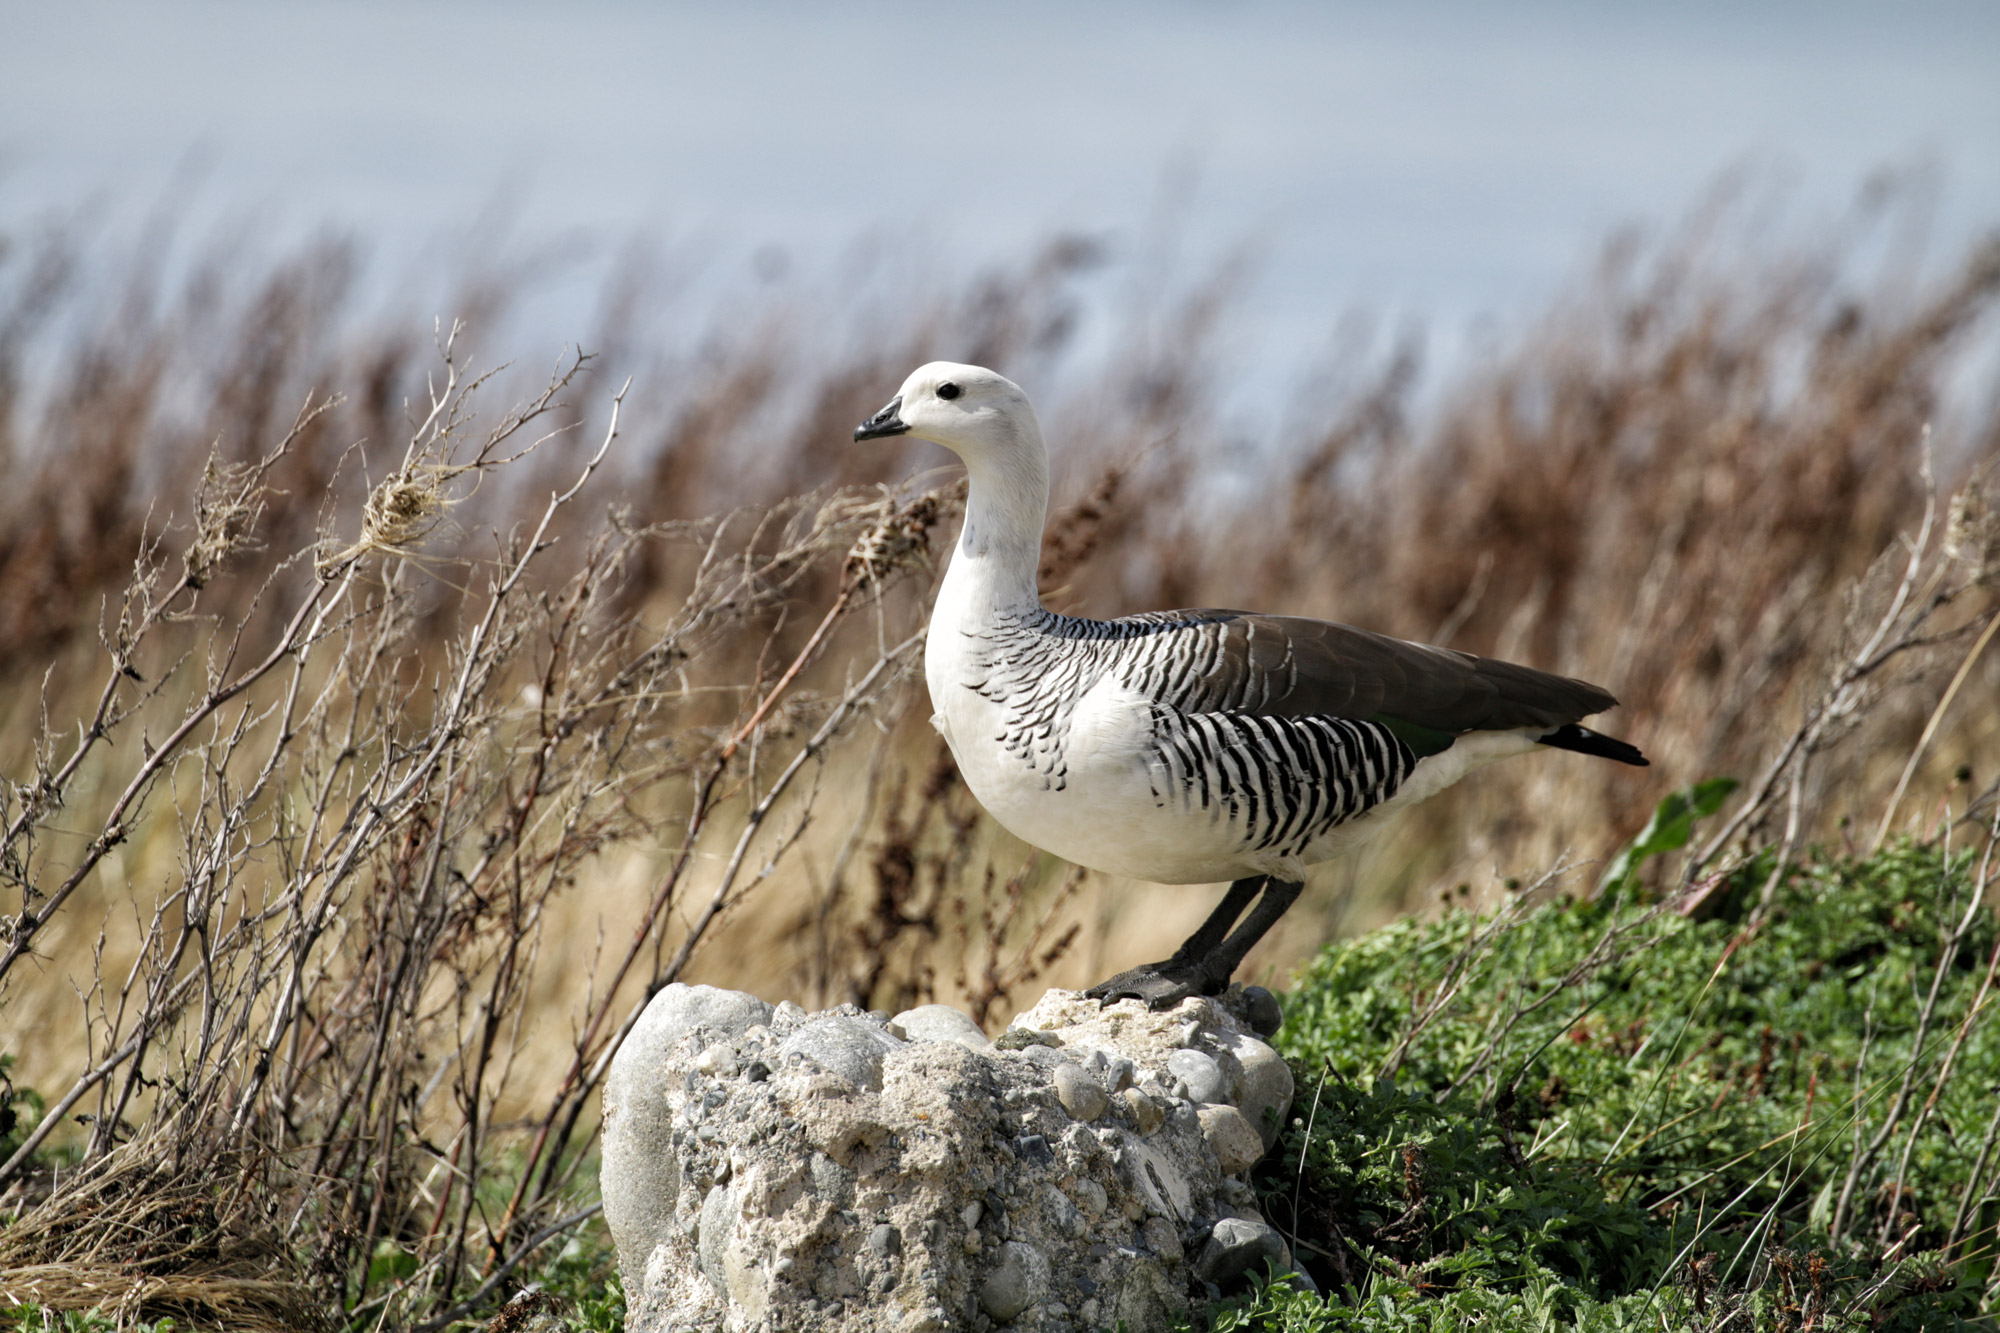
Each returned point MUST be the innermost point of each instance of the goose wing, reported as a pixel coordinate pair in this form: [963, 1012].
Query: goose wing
[1290, 667]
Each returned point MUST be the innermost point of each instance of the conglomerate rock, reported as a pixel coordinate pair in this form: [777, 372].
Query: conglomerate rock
[768, 1169]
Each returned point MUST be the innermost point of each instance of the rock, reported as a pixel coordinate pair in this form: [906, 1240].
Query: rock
[1145, 1112]
[834, 1186]
[1237, 1247]
[1019, 1280]
[853, 1173]
[1200, 1076]
[850, 1047]
[1048, 1057]
[640, 1183]
[940, 1022]
[713, 1234]
[1264, 1092]
[718, 1061]
[1068, 1219]
[1236, 1144]
[1261, 1011]
[1156, 1180]
[1242, 1200]
[1162, 1239]
[1080, 1092]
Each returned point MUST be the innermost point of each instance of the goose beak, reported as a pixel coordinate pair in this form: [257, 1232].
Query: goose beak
[884, 423]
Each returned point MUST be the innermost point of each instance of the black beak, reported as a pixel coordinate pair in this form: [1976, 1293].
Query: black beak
[886, 422]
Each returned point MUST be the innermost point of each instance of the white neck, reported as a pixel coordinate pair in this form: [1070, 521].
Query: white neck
[1007, 502]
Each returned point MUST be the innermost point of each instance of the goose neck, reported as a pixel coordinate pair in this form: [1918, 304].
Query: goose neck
[1000, 546]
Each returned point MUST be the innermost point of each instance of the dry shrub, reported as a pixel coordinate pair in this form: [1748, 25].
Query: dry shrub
[355, 810]
[373, 810]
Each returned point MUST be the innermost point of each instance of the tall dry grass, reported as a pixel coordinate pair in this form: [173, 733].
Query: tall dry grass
[370, 764]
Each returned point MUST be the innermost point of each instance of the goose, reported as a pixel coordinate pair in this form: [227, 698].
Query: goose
[1186, 747]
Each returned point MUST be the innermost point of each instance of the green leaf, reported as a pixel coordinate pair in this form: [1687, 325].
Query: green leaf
[1670, 828]
[390, 1263]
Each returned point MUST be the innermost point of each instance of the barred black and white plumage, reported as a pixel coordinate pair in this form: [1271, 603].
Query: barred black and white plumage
[1187, 746]
[1283, 781]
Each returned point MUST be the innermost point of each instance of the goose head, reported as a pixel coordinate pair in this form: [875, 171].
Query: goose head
[978, 414]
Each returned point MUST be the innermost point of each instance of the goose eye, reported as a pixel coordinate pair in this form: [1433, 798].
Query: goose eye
[947, 390]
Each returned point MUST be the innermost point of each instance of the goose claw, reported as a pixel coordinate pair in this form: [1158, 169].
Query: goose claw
[1158, 985]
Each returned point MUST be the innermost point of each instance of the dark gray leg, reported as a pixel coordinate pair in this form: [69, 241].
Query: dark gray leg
[1277, 900]
[1214, 930]
[1203, 964]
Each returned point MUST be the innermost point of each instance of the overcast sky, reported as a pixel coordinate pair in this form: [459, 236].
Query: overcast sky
[1446, 160]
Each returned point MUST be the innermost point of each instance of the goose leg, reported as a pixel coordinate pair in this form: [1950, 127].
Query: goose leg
[1277, 900]
[1203, 964]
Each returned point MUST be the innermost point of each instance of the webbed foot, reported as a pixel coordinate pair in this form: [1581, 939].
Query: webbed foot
[1160, 985]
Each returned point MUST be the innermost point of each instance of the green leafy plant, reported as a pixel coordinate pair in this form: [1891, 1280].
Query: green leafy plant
[1612, 1115]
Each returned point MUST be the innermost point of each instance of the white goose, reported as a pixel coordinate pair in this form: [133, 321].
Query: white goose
[1186, 747]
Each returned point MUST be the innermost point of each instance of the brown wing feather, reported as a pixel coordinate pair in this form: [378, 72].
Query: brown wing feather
[1286, 666]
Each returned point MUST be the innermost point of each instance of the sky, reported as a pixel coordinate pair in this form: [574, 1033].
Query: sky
[1453, 162]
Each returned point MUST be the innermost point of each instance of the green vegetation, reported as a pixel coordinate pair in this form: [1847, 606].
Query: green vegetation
[1610, 1115]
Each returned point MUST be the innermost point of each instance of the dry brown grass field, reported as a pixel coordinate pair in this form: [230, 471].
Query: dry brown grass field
[378, 736]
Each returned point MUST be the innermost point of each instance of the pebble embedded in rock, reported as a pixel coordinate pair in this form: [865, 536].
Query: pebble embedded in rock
[717, 1061]
[641, 1183]
[1199, 1074]
[1017, 1281]
[850, 1047]
[1267, 1086]
[1261, 1010]
[1236, 1142]
[1236, 1247]
[1080, 1092]
[1146, 1112]
[885, 1241]
[714, 1234]
[1068, 1218]
[1092, 1196]
[941, 1022]
[1162, 1239]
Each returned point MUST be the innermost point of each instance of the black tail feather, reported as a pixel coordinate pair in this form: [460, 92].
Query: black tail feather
[1583, 740]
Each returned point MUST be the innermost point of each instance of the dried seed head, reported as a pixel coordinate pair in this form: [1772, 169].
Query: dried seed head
[900, 535]
[400, 512]
[227, 504]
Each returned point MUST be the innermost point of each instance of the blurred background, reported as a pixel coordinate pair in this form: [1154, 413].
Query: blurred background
[346, 830]
[1445, 166]
[1605, 338]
